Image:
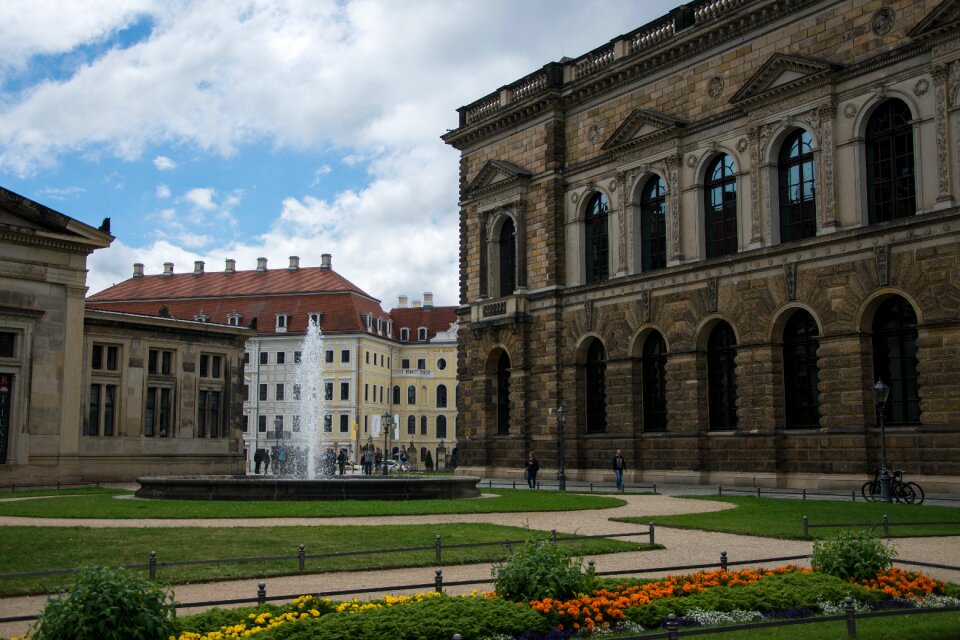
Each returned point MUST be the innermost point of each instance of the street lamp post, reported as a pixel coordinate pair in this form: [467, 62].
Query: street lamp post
[386, 420]
[880, 393]
[561, 475]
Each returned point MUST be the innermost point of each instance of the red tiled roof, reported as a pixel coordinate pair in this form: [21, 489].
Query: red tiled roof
[433, 318]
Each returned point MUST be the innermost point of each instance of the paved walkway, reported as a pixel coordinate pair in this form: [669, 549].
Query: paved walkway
[683, 547]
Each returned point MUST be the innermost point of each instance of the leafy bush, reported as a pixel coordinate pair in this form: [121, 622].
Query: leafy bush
[108, 604]
[852, 554]
[213, 619]
[430, 619]
[540, 569]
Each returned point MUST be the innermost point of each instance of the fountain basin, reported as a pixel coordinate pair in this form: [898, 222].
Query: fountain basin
[338, 488]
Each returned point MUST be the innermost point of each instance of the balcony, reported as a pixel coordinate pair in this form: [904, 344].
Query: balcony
[498, 309]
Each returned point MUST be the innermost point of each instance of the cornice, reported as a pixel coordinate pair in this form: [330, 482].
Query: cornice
[19, 237]
[521, 113]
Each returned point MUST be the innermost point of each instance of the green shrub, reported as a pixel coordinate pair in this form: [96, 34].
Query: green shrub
[213, 619]
[431, 619]
[852, 554]
[108, 604]
[540, 569]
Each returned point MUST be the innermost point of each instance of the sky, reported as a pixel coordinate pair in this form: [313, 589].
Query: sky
[218, 129]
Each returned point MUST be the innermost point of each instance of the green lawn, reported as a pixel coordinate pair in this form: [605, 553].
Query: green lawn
[110, 507]
[6, 494]
[73, 547]
[778, 518]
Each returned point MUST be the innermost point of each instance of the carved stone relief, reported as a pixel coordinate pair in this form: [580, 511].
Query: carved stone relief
[940, 120]
[713, 284]
[849, 110]
[715, 88]
[593, 134]
[692, 160]
[825, 115]
[921, 87]
[955, 83]
[882, 254]
[882, 21]
[790, 277]
[617, 187]
[673, 184]
[645, 305]
[588, 311]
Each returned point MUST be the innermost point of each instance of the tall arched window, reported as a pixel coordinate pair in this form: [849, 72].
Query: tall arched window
[895, 359]
[891, 190]
[653, 225]
[722, 377]
[597, 255]
[411, 425]
[411, 395]
[798, 205]
[396, 394]
[801, 373]
[441, 427]
[423, 425]
[503, 393]
[654, 383]
[442, 396]
[720, 207]
[596, 391]
[508, 258]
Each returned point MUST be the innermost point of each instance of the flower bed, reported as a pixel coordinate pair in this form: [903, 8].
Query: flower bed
[700, 598]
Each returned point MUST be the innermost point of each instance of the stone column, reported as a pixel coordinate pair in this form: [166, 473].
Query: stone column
[846, 399]
[938, 373]
[756, 384]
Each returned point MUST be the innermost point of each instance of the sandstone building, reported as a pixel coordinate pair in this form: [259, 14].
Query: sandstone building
[708, 238]
[400, 363]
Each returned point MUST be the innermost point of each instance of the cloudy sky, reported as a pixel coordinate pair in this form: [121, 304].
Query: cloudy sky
[237, 129]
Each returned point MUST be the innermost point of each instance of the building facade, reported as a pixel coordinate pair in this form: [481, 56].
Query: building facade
[400, 364]
[707, 240]
[90, 396]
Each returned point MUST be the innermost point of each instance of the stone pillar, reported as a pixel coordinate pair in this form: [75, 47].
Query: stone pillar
[72, 376]
[619, 398]
[846, 365]
[757, 385]
[938, 372]
[686, 392]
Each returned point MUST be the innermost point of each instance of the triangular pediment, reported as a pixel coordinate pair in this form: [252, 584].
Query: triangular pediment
[781, 73]
[640, 126]
[496, 174]
[21, 214]
[945, 17]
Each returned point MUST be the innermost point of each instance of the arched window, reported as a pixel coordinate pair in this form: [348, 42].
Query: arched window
[441, 396]
[441, 427]
[720, 207]
[800, 371]
[411, 425]
[411, 395]
[654, 383]
[423, 425]
[722, 377]
[503, 393]
[597, 255]
[895, 359]
[891, 190]
[798, 205]
[653, 225]
[396, 394]
[596, 388]
[508, 258]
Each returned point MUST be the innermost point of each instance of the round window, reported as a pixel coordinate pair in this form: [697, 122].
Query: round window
[441, 364]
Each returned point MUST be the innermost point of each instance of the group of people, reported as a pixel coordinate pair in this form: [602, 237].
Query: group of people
[533, 466]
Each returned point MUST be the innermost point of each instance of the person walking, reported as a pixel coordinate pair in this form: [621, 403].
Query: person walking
[532, 467]
[618, 466]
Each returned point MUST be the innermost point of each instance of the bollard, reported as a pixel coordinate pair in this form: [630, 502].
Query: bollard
[886, 526]
[514, 484]
[758, 492]
[437, 549]
[654, 488]
[651, 533]
[490, 484]
[58, 485]
[153, 565]
[301, 557]
[723, 560]
[438, 581]
[851, 618]
[262, 593]
[553, 536]
[806, 527]
[672, 626]
[719, 490]
[804, 494]
[591, 487]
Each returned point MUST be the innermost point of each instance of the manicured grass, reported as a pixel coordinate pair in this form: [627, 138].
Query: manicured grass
[778, 518]
[942, 625]
[506, 501]
[47, 548]
[67, 491]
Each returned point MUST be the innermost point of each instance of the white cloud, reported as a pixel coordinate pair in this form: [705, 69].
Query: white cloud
[201, 198]
[65, 193]
[162, 192]
[163, 163]
[319, 173]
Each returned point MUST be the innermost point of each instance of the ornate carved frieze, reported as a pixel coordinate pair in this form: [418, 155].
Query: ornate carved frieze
[645, 305]
[882, 255]
[825, 210]
[940, 75]
[617, 185]
[713, 286]
[790, 278]
[673, 164]
[955, 83]
[588, 313]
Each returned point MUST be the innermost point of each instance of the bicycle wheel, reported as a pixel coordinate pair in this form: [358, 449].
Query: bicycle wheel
[903, 492]
[870, 490]
[918, 490]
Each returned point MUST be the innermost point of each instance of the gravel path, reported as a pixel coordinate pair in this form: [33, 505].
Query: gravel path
[683, 547]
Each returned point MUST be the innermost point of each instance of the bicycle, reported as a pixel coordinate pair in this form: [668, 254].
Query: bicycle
[900, 491]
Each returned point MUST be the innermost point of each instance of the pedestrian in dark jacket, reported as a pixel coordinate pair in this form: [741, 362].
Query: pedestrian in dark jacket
[618, 466]
[532, 467]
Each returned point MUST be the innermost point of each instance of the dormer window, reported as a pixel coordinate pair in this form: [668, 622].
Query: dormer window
[369, 321]
[404, 334]
[389, 328]
[201, 317]
[422, 334]
[233, 319]
[282, 321]
[379, 325]
[314, 318]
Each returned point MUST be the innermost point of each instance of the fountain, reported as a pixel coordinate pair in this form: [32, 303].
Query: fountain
[309, 479]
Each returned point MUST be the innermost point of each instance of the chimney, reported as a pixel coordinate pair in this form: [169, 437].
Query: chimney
[168, 268]
[294, 263]
[416, 304]
[197, 267]
[325, 261]
[402, 302]
[231, 266]
[427, 300]
[137, 269]
[261, 264]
